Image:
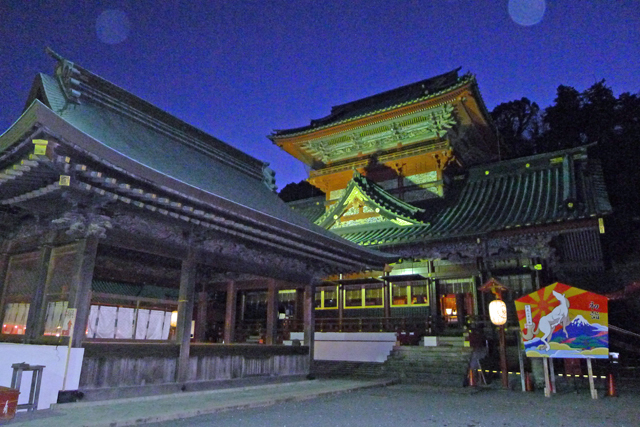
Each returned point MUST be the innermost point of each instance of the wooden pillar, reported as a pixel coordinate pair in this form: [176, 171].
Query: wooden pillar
[434, 307]
[201, 321]
[185, 313]
[340, 306]
[80, 290]
[4, 266]
[272, 313]
[35, 317]
[299, 314]
[230, 313]
[386, 295]
[309, 321]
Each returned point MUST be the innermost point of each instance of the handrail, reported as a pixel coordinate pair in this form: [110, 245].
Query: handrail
[623, 331]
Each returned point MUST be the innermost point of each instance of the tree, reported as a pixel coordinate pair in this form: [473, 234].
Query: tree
[563, 122]
[518, 123]
[594, 116]
[297, 191]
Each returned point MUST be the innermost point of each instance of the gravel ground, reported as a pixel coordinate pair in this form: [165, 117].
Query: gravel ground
[415, 405]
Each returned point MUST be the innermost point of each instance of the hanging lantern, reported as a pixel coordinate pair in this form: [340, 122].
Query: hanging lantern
[174, 319]
[498, 312]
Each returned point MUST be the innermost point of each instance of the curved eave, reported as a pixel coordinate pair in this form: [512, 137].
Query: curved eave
[327, 219]
[309, 130]
[39, 114]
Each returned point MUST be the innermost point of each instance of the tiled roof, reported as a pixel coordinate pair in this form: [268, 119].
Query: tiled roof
[380, 102]
[136, 138]
[532, 191]
[124, 148]
[376, 195]
[312, 208]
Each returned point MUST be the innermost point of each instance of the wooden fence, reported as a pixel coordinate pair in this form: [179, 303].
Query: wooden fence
[122, 364]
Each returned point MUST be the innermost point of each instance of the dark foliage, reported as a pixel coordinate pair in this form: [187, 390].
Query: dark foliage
[519, 125]
[298, 191]
[594, 116]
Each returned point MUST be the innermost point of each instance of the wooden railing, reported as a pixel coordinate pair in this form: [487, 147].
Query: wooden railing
[123, 364]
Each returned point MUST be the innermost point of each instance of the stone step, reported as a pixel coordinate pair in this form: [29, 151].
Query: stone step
[436, 349]
[442, 341]
[435, 379]
[434, 371]
[432, 357]
[427, 363]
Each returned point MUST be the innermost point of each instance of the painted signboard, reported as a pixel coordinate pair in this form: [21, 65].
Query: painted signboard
[563, 321]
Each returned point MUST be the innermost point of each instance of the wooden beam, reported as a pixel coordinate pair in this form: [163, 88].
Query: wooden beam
[201, 321]
[309, 321]
[185, 314]
[272, 313]
[386, 296]
[35, 319]
[148, 245]
[80, 292]
[230, 312]
[4, 266]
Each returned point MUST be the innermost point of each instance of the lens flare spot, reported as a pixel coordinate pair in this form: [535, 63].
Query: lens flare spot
[527, 12]
[112, 26]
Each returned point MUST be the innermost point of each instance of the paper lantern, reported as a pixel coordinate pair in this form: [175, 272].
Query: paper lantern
[174, 319]
[498, 312]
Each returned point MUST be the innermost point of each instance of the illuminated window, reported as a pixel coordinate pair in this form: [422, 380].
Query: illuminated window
[326, 297]
[353, 297]
[15, 318]
[373, 297]
[363, 296]
[330, 298]
[63, 263]
[410, 293]
[19, 288]
[400, 294]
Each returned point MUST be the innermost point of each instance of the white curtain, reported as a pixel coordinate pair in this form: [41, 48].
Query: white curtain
[93, 316]
[156, 320]
[148, 324]
[124, 329]
[15, 318]
[55, 316]
[141, 324]
[167, 325]
[106, 322]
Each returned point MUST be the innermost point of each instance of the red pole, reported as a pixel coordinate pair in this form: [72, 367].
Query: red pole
[611, 386]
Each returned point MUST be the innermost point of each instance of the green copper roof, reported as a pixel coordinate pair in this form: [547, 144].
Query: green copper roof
[376, 198]
[527, 192]
[312, 208]
[146, 134]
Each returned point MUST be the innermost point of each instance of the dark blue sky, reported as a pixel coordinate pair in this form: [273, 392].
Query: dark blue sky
[239, 69]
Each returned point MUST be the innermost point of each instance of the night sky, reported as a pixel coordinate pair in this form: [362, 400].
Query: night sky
[239, 69]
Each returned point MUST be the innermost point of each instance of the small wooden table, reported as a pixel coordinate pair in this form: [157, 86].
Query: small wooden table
[36, 380]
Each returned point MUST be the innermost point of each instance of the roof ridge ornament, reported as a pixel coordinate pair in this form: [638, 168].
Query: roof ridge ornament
[67, 75]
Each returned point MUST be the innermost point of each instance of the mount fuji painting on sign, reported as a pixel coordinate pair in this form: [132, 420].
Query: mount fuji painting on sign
[562, 321]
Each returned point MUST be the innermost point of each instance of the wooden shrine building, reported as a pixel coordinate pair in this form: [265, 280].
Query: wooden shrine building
[416, 171]
[120, 210]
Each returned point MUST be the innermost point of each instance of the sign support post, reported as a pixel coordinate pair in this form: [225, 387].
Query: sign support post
[547, 383]
[594, 392]
[521, 360]
[69, 323]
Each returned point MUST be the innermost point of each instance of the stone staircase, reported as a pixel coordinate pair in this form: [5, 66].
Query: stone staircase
[438, 365]
[336, 369]
[444, 364]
